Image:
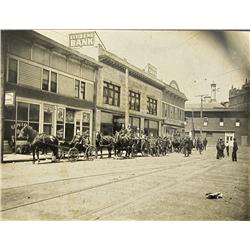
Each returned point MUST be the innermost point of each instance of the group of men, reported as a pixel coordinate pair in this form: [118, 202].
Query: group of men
[221, 146]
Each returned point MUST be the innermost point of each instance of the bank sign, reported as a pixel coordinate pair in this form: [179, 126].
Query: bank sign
[78, 40]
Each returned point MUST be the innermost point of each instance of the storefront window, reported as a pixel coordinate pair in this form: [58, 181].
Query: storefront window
[22, 111]
[69, 125]
[47, 119]
[27, 114]
[86, 122]
[60, 123]
[34, 113]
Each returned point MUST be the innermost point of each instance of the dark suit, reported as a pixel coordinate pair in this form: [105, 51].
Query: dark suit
[234, 153]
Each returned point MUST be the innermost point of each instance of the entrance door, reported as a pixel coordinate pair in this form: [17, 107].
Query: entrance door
[230, 138]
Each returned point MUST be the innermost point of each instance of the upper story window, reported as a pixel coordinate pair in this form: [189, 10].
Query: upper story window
[12, 71]
[205, 121]
[221, 122]
[45, 83]
[79, 89]
[111, 94]
[237, 123]
[134, 101]
[49, 81]
[152, 106]
[53, 82]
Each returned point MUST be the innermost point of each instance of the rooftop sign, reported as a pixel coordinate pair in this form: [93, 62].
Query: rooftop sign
[78, 40]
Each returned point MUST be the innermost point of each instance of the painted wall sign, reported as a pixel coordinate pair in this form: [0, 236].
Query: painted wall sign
[10, 98]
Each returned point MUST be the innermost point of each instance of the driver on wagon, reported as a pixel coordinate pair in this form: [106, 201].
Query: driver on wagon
[77, 138]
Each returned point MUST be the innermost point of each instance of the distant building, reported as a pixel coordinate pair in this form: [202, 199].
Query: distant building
[217, 121]
[240, 98]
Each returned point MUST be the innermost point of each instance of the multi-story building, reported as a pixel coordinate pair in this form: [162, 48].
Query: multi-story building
[217, 121]
[129, 95]
[57, 90]
[53, 86]
[240, 98]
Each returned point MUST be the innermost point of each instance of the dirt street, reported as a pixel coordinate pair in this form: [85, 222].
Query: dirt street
[172, 187]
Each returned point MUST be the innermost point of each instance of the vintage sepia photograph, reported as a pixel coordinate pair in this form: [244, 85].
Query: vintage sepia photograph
[121, 125]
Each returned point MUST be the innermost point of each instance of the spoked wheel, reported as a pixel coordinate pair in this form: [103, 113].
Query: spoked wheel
[73, 154]
[91, 153]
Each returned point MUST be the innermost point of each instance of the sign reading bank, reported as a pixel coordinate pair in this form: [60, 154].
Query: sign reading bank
[82, 39]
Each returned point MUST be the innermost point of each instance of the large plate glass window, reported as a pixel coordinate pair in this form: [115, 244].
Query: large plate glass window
[60, 123]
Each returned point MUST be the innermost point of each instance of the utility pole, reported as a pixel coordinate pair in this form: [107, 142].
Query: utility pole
[201, 112]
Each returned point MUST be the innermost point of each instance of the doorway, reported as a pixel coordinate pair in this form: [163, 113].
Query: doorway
[230, 138]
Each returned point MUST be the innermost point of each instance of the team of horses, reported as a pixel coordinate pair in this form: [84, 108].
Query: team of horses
[129, 145]
[122, 144]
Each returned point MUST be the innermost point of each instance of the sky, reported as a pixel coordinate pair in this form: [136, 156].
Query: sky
[194, 59]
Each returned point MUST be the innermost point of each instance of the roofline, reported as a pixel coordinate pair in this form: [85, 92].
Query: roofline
[215, 110]
[122, 64]
[52, 44]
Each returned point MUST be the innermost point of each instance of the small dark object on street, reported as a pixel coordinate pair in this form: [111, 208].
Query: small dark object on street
[216, 195]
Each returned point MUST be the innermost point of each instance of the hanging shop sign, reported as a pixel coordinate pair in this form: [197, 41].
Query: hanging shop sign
[10, 98]
[82, 39]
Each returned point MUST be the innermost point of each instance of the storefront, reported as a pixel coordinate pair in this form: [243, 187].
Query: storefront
[151, 127]
[110, 123]
[52, 119]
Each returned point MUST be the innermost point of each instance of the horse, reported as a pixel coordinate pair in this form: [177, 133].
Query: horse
[176, 143]
[104, 141]
[123, 142]
[39, 141]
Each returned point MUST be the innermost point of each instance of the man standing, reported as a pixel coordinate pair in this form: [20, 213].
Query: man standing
[235, 148]
[205, 143]
[227, 147]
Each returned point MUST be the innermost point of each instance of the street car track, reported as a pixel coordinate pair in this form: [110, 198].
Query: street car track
[96, 214]
[79, 177]
[159, 169]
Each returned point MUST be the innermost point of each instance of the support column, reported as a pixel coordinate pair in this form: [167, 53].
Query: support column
[94, 120]
[142, 123]
[126, 99]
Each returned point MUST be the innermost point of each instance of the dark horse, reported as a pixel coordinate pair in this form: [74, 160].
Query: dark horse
[123, 142]
[104, 141]
[39, 141]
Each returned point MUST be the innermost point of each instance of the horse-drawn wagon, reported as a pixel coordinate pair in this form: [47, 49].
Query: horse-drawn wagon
[73, 150]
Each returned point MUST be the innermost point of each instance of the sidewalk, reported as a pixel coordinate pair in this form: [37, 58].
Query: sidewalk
[8, 158]
[22, 157]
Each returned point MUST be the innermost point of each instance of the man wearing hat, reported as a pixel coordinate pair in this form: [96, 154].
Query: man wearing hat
[220, 146]
[235, 148]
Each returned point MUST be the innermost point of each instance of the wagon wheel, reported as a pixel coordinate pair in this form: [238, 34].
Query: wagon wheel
[91, 153]
[73, 154]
